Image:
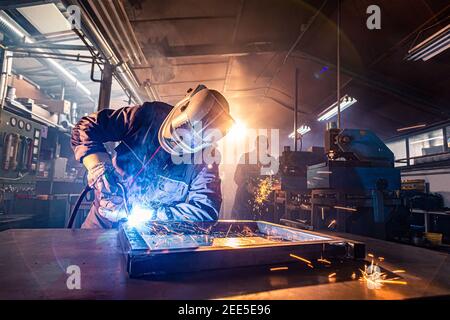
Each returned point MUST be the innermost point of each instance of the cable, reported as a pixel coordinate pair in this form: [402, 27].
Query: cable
[125, 198]
[74, 212]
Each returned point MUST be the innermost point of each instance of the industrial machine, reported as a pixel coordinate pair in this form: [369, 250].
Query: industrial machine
[20, 142]
[293, 197]
[356, 189]
[36, 179]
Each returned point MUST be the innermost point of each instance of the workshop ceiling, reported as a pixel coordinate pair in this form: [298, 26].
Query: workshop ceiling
[240, 47]
[249, 50]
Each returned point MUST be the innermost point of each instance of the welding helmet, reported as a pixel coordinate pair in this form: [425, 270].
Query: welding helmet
[195, 122]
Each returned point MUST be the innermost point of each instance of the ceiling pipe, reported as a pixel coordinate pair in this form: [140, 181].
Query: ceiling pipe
[130, 30]
[114, 28]
[123, 33]
[123, 73]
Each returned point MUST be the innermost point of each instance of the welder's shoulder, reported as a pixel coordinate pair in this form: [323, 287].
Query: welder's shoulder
[156, 108]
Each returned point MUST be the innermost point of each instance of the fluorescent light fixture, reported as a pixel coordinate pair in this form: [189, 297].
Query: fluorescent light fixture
[432, 46]
[422, 125]
[301, 131]
[427, 139]
[55, 64]
[331, 111]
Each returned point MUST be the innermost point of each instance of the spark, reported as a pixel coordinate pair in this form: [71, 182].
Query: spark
[262, 193]
[310, 266]
[333, 222]
[399, 271]
[324, 261]
[353, 275]
[392, 281]
[381, 258]
[331, 275]
[375, 278]
[300, 258]
[279, 268]
[346, 208]
[370, 255]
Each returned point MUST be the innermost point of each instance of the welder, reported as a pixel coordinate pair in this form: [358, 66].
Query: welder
[153, 138]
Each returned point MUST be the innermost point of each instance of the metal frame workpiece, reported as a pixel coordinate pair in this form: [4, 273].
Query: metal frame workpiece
[224, 244]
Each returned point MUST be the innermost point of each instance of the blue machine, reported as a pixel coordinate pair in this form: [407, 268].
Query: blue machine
[357, 186]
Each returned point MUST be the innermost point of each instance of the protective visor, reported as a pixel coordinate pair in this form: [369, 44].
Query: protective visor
[195, 122]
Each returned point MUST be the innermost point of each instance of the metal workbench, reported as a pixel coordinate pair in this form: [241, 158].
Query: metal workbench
[33, 266]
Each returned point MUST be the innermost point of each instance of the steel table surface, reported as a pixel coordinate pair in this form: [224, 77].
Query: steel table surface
[33, 265]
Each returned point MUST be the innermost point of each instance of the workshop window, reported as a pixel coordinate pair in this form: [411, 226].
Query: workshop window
[448, 136]
[399, 150]
[425, 144]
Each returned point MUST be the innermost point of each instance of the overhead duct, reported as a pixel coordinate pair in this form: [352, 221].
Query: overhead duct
[121, 49]
[12, 29]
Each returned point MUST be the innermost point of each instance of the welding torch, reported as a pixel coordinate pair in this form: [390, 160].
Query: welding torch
[121, 187]
[84, 193]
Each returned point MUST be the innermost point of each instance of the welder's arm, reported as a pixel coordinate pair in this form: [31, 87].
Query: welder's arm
[88, 138]
[204, 199]
[91, 132]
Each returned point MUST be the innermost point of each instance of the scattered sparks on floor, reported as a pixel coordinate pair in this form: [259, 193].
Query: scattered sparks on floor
[300, 258]
[324, 261]
[374, 278]
[333, 222]
[393, 281]
[399, 271]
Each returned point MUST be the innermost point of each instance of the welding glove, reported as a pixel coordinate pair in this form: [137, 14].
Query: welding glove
[102, 177]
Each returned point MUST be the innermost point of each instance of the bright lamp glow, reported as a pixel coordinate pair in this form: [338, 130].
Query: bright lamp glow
[237, 131]
[331, 111]
[301, 131]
